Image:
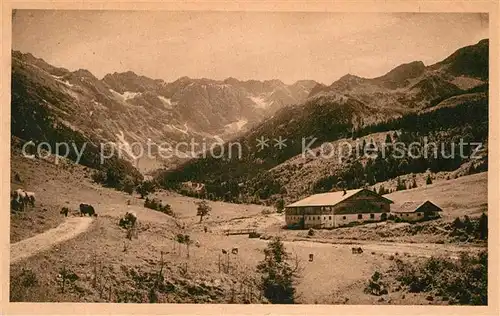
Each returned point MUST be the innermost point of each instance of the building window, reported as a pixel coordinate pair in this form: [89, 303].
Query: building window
[372, 216]
[419, 214]
[360, 216]
[329, 217]
[406, 215]
[343, 217]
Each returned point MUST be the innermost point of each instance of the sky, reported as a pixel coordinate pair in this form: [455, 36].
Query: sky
[289, 46]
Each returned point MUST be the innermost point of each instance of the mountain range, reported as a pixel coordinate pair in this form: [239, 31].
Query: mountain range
[50, 102]
[449, 92]
[125, 107]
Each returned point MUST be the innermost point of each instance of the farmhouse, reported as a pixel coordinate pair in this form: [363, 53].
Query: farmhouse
[416, 210]
[334, 209]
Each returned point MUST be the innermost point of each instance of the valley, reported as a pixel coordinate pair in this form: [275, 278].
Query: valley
[126, 267]
[176, 253]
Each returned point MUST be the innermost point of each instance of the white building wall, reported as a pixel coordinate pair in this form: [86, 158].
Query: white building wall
[292, 219]
[344, 219]
[320, 221]
[331, 221]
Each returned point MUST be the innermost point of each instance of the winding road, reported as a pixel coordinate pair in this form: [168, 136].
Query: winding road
[72, 227]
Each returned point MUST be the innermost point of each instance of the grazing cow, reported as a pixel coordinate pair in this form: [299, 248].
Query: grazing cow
[128, 220]
[234, 251]
[131, 217]
[87, 209]
[311, 257]
[197, 243]
[356, 250]
[64, 211]
[224, 251]
[20, 198]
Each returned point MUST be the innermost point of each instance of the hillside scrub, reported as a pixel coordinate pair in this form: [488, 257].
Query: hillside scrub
[157, 205]
[470, 229]
[463, 281]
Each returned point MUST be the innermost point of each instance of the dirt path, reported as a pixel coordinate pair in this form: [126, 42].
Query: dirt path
[70, 228]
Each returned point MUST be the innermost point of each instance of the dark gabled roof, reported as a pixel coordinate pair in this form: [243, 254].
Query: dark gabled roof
[412, 206]
[330, 198]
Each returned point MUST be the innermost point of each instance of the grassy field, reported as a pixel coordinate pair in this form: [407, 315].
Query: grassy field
[110, 267]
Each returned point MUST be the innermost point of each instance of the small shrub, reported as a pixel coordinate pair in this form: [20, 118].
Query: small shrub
[98, 176]
[157, 205]
[310, 232]
[375, 285]
[428, 180]
[22, 284]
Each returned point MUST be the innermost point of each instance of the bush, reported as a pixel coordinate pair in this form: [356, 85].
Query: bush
[463, 281]
[157, 205]
[428, 180]
[280, 205]
[470, 229]
[145, 188]
[21, 284]
[310, 232]
[128, 186]
[375, 285]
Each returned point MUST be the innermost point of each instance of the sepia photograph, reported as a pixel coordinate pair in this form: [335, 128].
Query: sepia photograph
[249, 157]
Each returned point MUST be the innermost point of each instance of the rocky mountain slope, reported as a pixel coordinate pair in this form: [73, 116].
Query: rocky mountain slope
[443, 101]
[124, 108]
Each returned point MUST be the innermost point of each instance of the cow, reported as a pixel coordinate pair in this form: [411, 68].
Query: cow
[224, 251]
[64, 211]
[87, 209]
[19, 199]
[128, 220]
[197, 243]
[356, 250]
[234, 251]
[131, 217]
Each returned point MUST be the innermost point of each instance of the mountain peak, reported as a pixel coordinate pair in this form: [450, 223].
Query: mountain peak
[84, 73]
[472, 60]
[399, 76]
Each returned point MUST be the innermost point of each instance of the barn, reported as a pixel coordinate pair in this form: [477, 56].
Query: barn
[416, 210]
[334, 209]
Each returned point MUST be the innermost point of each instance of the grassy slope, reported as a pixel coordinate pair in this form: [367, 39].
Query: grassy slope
[466, 195]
